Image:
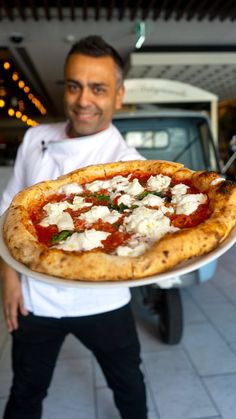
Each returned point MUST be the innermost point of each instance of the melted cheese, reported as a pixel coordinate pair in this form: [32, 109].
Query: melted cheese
[158, 183]
[134, 188]
[88, 240]
[100, 212]
[179, 189]
[152, 201]
[57, 216]
[187, 204]
[132, 251]
[147, 222]
[79, 202]
[71, 188]
[126, 200]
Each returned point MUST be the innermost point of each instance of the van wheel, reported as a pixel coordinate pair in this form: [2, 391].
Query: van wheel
[171, 316]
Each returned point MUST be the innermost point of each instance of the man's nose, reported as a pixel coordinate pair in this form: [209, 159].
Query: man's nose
[84, 97]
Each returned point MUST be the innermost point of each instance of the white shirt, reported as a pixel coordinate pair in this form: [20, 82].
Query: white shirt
[62, 155]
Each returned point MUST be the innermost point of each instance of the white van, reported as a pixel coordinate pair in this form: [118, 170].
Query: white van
[184, 137]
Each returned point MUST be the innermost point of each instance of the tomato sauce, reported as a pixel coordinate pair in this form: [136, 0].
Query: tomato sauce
[118, 238]
[45, 234]
[185, 221]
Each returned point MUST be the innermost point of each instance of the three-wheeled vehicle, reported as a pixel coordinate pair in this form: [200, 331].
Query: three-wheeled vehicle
[179, 136]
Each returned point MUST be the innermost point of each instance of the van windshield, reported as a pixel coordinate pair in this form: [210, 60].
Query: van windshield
[186, 140]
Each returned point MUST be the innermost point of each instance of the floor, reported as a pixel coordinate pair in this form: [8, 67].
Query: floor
[195, 379]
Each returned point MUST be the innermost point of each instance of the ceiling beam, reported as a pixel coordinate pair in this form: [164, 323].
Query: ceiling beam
[122, 9]
[233, 14]
[217, 5]
[47, 10]
[34, 10]
[8, 10]
[157, 11]
[134, 9]
[85, 10]
[20, 9]
[97, 9]
[110, 9]
[59, 10]
[195, 10]
[227, 10]
[167, 9]
[147, 9]
[72, 9]
[182, 13]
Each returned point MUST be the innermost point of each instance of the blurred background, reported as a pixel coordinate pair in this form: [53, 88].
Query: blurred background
[190, 41]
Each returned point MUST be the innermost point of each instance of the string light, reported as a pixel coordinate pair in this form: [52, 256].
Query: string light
[36, 102]
[15, 76]
[2, 103]
[6, 65]
[18, 114]
[21, 84]
[11, 112]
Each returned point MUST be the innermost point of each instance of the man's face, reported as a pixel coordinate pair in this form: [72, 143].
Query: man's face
[92, 93]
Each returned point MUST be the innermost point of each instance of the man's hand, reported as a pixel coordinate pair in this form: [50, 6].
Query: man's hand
[12, 296]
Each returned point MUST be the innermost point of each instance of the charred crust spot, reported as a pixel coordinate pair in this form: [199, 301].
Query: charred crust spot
[226, 187]
[166, 253]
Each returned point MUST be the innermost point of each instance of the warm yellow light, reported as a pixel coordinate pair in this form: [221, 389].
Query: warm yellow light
[6, 65]
[26, 89]
[3, 91]
[30, 96]
[2, 103]
[21, 84]
[18, 114]
[24, 118]
[11, 112]
[15, 76]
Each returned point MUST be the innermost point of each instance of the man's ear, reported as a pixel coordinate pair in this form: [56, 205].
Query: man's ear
[119, 97]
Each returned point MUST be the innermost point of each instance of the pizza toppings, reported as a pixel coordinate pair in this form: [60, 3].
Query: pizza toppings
[123, 215]
[187, 204]
[87, 240]
[120, 221]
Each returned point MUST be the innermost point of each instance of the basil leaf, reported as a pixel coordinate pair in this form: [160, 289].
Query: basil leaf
[145, 193]
[142, 195]
[61, 236]
[100, 197]
[103, 198]
[119, 208]
[160, 194]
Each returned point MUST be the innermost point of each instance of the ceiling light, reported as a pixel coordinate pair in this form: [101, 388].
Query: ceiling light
[140, 34]
[21, 84]
[6, 65]
[15, 76]
[11, 112]
[18, 114]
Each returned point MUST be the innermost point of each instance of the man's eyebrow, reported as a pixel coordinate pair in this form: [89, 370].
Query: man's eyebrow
[72, 81]
[95, 83]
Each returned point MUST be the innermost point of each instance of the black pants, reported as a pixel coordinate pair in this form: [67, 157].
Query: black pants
[110, 336]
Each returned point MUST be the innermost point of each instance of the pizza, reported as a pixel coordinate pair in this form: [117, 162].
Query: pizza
[119, 221]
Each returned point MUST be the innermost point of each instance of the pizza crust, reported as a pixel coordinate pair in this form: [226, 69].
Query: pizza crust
[96, 265]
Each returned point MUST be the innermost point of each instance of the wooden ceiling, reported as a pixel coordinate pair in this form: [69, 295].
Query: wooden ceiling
[118, 10]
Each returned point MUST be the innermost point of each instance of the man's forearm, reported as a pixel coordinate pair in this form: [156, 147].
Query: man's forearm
[11, 295]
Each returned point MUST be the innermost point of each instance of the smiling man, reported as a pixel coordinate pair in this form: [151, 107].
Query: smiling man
[93, 91]
[40, 315]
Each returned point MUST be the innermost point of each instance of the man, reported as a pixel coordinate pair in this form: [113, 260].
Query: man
[40, 315]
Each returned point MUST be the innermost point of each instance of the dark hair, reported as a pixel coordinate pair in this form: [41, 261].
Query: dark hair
[95, 46]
